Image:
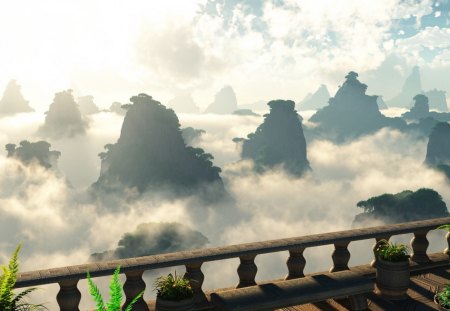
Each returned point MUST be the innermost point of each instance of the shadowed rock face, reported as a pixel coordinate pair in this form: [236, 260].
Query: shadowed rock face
[351, 113]
[279, 140]
[38, 152]
[225, 102]
[154, 238]
[401, 207]
[63, 118]
[438, 148]
[151, 154]
[12, 101]
[412, 86]
[315, 101]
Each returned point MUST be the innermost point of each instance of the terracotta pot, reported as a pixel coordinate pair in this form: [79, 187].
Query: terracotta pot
[169, 305]
[436, 300]
[393, 278]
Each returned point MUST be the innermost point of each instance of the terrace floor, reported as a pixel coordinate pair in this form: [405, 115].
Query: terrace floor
[426, 280]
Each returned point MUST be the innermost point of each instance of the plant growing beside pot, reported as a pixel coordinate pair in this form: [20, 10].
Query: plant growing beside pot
[115, 302]
[173, 292]
[442, 298]
[9, 301]
[392, 274]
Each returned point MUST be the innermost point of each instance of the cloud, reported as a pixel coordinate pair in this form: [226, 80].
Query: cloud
[60, 226]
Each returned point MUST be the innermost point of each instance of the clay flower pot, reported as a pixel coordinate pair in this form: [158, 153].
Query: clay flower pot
[169, 305]
[392, 278]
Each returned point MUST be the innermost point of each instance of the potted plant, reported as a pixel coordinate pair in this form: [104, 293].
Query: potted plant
[173, 293]
[9, 301]
[442, 298]
[115, 302]
[392, 269]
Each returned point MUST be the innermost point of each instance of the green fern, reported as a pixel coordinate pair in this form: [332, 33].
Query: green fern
[115, 291]
[9, 302]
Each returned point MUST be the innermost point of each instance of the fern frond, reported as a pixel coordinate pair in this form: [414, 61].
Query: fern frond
[95, 293]
[115, 292]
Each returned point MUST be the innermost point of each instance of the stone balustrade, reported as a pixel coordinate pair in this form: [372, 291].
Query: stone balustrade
[69, 296]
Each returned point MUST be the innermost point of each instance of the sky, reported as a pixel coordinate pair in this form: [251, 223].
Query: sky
[268, 49]
[265, 50]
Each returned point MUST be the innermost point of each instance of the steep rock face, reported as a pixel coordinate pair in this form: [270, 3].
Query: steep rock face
[315, 101]
[438, 148]
[183, 102]
[38, 152]
[154, 238]
[401, 207]
[437, 100]
[151, 154]
[63, 117]
[12, 101]
[420, 110]
[351, 113]
[224, 102]
[412, 86]
[87, 105]
[279, 140]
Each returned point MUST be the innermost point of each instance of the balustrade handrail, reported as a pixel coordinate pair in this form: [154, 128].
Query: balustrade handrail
[96, 269]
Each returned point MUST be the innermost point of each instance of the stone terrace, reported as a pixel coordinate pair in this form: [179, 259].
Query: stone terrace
[429, 272]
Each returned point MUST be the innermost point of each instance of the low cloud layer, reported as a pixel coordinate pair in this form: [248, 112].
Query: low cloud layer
[59, 226]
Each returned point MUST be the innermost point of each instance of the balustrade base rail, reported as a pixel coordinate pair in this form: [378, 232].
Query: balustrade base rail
[437, 260]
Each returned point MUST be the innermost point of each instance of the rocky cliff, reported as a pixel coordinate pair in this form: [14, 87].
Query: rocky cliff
[224, 102]
[279, 140]
[63, 117]
[351, 113]
[12, 101]
[150, 154]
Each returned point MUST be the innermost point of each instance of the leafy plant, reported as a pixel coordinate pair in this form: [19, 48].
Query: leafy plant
[8, 301]
[173, 287]
[115, 291]
[444, 297]
[391, 251]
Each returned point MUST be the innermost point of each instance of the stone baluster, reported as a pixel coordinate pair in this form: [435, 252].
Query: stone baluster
[419, 244]
[133, 285]
[69, 296]
[195, 274]
[296, 263]
[340, 256]
[374, 249]
[447, 249]
[247, 271]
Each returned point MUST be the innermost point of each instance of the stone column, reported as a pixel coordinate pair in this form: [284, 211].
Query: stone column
[195, 275]
[295, 263]
[340, 256]
[247, 271]
[134, 284]
[69, 296]
[419, 244]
